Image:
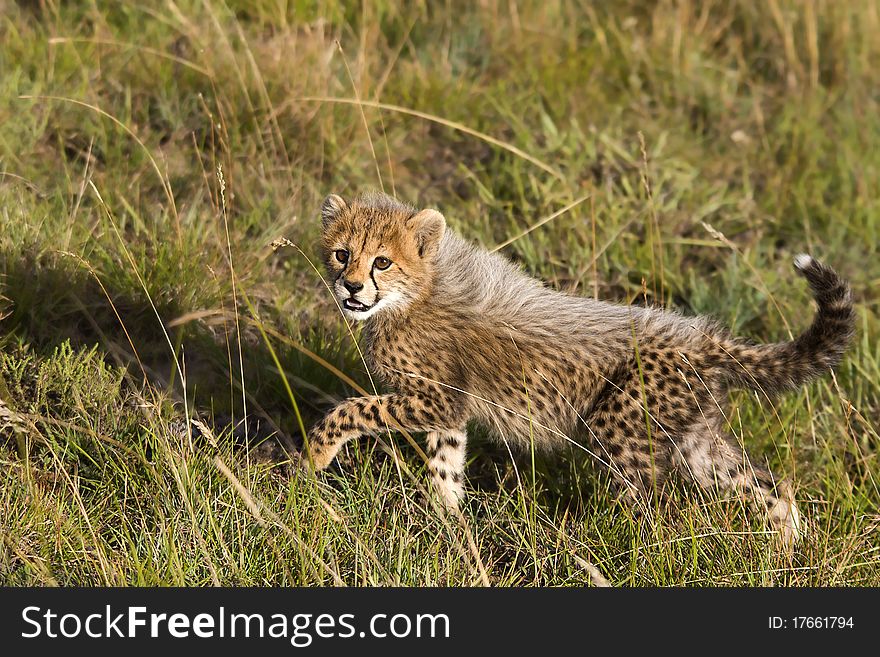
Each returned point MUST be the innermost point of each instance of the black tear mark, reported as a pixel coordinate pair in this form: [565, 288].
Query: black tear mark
[375, 284]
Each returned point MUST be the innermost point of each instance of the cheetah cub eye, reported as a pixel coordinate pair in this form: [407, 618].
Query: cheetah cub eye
[382, 263]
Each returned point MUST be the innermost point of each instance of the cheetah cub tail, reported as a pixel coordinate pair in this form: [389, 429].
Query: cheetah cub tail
[788, 365]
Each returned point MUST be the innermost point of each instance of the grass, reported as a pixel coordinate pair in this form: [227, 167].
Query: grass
[712, 140]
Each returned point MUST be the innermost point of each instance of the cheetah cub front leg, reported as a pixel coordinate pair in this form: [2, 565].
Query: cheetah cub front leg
[446, 461]
[371, 415]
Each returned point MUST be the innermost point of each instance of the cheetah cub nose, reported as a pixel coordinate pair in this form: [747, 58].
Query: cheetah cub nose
[354, 288]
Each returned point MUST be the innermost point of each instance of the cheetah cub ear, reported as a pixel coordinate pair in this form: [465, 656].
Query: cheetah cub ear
[332, 207]
[427, 227]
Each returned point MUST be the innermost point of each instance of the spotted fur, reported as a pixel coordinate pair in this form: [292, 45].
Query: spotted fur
[462, 334]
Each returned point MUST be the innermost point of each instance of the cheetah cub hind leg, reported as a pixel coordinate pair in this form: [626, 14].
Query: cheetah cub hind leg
[784, 515]
[716, 462]
[446, 460]
[761, 488]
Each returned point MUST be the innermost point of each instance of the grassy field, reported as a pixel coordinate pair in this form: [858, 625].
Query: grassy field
[150, 155]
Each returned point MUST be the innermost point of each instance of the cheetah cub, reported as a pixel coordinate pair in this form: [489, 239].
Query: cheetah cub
[461, 334]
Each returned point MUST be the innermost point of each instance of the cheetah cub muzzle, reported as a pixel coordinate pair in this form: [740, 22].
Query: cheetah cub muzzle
[460, 334]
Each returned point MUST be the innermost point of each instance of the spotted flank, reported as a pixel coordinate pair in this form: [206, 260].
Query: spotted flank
[458, 334]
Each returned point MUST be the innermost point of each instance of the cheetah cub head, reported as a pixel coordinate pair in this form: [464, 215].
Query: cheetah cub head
[379, 252]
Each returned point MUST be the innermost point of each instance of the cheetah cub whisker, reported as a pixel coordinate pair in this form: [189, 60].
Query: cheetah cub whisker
[461, 334]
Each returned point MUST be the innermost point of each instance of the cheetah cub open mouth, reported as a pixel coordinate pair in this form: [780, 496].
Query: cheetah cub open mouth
[457, 333]
[354, 305]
